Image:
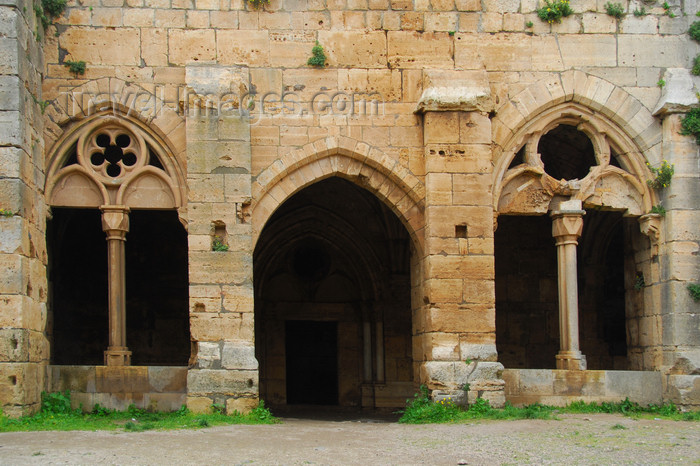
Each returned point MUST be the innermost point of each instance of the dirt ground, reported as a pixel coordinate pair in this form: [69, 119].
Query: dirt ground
[574, 439]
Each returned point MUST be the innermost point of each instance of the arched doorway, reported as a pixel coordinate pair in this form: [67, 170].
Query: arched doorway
[333, 319]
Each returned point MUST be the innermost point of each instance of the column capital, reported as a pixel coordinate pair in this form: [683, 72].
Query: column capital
[115, 221]
[567, 226]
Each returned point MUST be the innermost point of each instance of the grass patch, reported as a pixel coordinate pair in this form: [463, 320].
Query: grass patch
[422, 410]
[56, 414]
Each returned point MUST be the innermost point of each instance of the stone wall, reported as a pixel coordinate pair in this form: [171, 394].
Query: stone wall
[24, 348]
[208, 77]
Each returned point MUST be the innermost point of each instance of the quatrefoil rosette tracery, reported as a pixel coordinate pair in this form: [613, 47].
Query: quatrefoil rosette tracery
[113, 153]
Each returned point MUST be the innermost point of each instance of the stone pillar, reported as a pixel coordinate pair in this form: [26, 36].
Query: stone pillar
[566, 229]
[679, 249]
[115, 223]
[24, 346]
[223, 368]
[458, 320]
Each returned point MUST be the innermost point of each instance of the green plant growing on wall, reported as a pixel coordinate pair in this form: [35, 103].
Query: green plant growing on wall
[690, 124]
[639, 282]
[41, 103]
[616, 10]
[318, 57]
[218, 245]
[75, 67]
[694, 31]
[694, 290]
[639, 12]
[258, 3]
[662, 175]
[47, 10]
[667, 10]
[658, 209]
[529, 24]
[554, 10]
[661, 83]
[696, 66]
[6, 213]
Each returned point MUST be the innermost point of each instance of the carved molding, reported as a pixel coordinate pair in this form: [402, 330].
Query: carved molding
[112, 165]
[650, 225]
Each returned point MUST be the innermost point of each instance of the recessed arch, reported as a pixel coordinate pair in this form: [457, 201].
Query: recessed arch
[333, 264]
[347, 158]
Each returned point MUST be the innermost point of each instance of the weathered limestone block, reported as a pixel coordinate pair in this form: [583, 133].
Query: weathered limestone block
[208, 355]
[207, 382]
[105, 46]
[419, 50]
[22, 345]
[163, 379]
[354, 48]
[239, 357]
[188, 46]
[241, 405]
[121, 379]
[659, 51]
[251, 48]
[683, 390]
[220, 267]
[206, 326]
[73, 378]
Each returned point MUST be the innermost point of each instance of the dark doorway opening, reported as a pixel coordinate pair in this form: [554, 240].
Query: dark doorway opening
[312, 362]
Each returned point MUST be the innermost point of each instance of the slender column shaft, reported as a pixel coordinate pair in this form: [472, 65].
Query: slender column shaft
[115, 223]
[566, 229]
[380, 352]
[367, 351]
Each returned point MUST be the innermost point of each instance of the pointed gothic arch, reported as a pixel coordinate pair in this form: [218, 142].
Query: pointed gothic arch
[347, 158]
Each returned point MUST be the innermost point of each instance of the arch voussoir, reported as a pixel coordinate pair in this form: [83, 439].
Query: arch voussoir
[345, 157]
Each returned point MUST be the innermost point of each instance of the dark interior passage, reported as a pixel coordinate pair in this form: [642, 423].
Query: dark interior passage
[77, 253]
[601, 264]
[527, 315]
[312, 360]
[527, 312]
[332, 274]
[156, 284]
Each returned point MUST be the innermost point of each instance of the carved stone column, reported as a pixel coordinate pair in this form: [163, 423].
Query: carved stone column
[566, 229]
[115, 222]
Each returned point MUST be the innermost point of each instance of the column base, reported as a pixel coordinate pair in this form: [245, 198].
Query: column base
[118, 356]
[571, 361]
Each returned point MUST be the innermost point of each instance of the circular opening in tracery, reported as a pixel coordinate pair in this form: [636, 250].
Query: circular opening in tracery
[566, 153]
[113, 170]
[97, 158]
[123, 140]
[129, 159]
[102, 140]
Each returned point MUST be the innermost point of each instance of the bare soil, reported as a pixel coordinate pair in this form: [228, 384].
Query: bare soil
[574, 439]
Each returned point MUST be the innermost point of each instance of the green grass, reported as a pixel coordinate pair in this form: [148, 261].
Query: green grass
[422, 410]
[56, 414]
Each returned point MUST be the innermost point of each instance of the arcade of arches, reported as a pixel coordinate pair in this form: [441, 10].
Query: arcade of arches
[547, 260]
